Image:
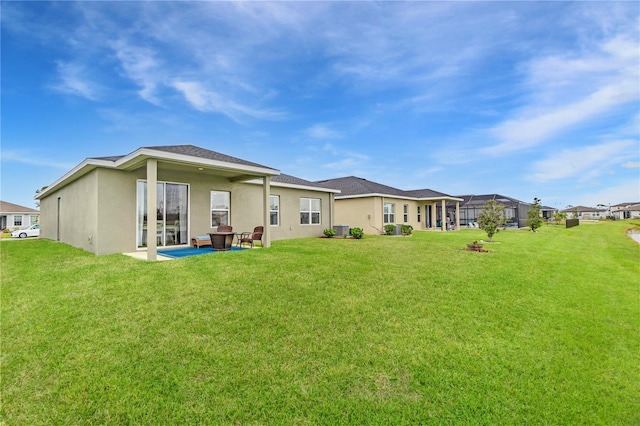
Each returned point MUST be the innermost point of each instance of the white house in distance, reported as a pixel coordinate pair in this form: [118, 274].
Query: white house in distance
[14, 217]
[585, 213]
[103, 205]
[626, 210]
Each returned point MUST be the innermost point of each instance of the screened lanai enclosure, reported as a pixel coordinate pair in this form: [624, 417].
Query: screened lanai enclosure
[470, 208]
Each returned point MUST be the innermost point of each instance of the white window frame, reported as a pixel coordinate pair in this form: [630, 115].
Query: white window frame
[311, 211]
[276, 211]
[17, 218]
[419, 216]
[405, 212]
[389, 213]
[227, 210]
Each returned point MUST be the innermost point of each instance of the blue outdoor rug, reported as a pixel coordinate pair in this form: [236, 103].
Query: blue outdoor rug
[190, 251]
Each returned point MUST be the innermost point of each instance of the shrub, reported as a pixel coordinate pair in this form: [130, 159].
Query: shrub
[406, 229]
[389, 229]
[329, 232]
[356, 233]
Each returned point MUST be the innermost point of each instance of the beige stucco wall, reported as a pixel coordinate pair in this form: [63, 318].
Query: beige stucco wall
[247, 211]
[78, 213]
[367, 213]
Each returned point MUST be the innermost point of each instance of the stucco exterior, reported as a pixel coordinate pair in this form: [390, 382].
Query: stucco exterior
[96, 208]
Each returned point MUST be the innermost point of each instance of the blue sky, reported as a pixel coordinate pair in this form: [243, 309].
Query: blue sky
[525, 99]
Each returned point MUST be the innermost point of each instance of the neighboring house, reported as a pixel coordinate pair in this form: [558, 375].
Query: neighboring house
[547, 212]
[102, 204]
[14, 217]
[626, 210]
[472, 205]
[586, 213]
[371, 206]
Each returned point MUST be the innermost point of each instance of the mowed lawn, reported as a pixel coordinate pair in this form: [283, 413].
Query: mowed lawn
[543, 329]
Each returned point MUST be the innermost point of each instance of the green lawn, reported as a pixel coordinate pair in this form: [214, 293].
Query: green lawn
[543, 329]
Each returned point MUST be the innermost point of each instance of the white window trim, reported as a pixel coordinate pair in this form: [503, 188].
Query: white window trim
[391, 216]
[311, 212]
[211, 210]
[276, 211]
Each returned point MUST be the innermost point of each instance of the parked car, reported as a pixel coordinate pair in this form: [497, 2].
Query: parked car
[32, 231]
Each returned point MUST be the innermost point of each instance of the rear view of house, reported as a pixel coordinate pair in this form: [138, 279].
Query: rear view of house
[104, 204]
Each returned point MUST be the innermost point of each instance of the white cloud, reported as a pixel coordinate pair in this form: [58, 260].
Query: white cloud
[141, 66]
[206, 100]
[583, 163]
[568, 91]
[74, 81]
[34, 159]
[631, 165]
[321, 131]
[627, 191]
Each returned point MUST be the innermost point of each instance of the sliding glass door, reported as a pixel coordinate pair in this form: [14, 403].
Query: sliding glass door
[171, 214]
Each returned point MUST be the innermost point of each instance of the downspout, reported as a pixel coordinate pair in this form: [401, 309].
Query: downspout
[266, 216]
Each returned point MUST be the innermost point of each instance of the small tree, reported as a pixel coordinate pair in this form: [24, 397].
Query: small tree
[491, 217]
[534, 220]
[38, 191]
[559, 216]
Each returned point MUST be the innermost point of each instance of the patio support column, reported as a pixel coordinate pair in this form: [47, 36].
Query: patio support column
[443, 217]
[331, 210]
[152, 201]
[267, 217]
[457, 215]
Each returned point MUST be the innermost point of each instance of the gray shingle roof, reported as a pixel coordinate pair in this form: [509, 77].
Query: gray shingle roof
[193, 151]
[292, 180]
[15, 208]
[426, 193]
[352, 185]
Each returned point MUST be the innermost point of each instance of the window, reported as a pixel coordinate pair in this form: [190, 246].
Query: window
[220, 208]
[419, 217]
[309, 211]
[274, 210]
[405, 217]
[34, 219]
[17, 220]
[389, 213]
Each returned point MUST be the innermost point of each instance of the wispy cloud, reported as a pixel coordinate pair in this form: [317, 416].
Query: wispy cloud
[631, 165]
[73, 80]
[141, 66]
[567, 91]
[34, 159]
[584, 163]
[322, 131]
[206, 100]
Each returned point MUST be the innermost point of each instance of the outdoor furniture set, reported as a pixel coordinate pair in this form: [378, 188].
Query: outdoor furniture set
[222, 239]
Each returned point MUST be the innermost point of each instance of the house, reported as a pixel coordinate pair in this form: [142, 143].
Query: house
[14, 217]
[626, 210]
[102, 205]
[585, 213]
[472, 205]
[370, 206]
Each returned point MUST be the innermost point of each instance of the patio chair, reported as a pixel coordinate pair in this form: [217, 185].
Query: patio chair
[250, 237]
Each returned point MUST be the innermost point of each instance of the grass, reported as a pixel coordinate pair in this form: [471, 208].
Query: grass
[542, 329]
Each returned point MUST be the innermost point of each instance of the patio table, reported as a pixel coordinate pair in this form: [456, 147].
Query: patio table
[221, 241]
